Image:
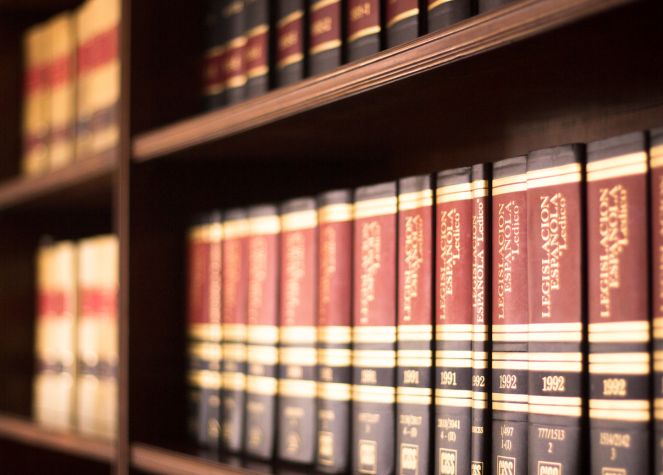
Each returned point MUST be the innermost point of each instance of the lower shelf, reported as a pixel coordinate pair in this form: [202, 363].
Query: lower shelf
[29, 432]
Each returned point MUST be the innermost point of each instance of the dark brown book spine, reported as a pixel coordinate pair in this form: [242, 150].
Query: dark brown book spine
[555, 253]
[656, 166]
[263, 331]
[415, 325]
[510, 317]
[204, 329]
[325, 35]
[364, 20]
[257, 49]
[619, 326]
[298, 355]
[374, 332]
[481, 417]
[235, 281]
[487, 5]
[214, 82]
[334, 330]
[290, 41]
[443, 13]
[402, 21]
[453, 322]
[233, 14]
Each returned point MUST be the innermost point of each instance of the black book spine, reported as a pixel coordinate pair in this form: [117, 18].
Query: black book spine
[487, 5]
[364, 28]
[214, 84]
[257, 49]
[325, 35]
[290, 41]
[443, 13]
[656, 166]
[235, 73]
[402, 21]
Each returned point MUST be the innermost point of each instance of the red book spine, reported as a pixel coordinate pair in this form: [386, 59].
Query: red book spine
[290, 41]
[415, 324]
[619, 326]
[374, 332]
[656, 166]
[364, 28]
[298, 355]
[402, 21]
[334, 330]
[325, 35]
[555, 254]
[263, 331]
[510, 317]
[453, 321]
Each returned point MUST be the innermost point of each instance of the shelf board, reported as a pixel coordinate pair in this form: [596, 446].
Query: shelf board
[477, 35]
[29, 432]
[73, 181]
[168, 462]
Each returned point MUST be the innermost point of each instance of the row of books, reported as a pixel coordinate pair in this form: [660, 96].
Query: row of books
[76, 341]
[253, 45]
[71, 87]
[492, 319]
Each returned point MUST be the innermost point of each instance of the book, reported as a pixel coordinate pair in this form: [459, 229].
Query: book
[619, 321]
[401, 21]
[214, 82]
[62, 90]
[204, 328]
[481, 260]
[263, 331]
[257, 51]
[414, 394]
[453, 321]
[36, 97]
[298, 332]
[656, 209]
[374, 331]
[234, 282]
[555, 248]
[54, 391]
[97, 337]
[325, 35]
[364, 28]
[290, 41]
[335, 214]
[443, 13]
[487, 5]
[233, 28]
[510, 317]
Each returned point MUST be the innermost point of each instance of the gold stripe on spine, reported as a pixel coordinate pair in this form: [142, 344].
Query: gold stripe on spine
[336, 213]
[450, 193]
[297, 388]
[555, 356]
[267, 355]
[335, 357]
[408, 395]
[263, 334]
[415, 332]
[656, 156]
[555, 400]
[234, 381]
[257, 30]
[290, 17]
[636, 410]
[215, 50]
[298, 356]
[205, 331]
[629, 164]
[205, 379]
[370, 30]
[301, 335]
[234, 331]
[335, 334]
[510, 406]
[264, 225]
[658, 409]
[298, 220]
[206, 351]
[453, 401]
[620, 327]
[377, 334]
[262, 385]
[510, 397]
[261, 70]
[402, 16]
[380, 394]
[236, 228]
[326, 46]
[375, 207]
[374, 358]
[570, 173]
[510, 364]
[335, 391]
[562, 366]
[658, 327]
[415, 358]
[290, 59]
[322, 4]
[453, 393]
[479, 188]
[552, 410]
[415, 199]
[437, 3]
[234, 352]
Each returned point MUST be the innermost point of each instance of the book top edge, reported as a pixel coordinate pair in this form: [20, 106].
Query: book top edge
[298, 204]
[454, 176]
[510, 167]
[616, 146]
[555, 156]
[334, 197]
[414, 183]
[380, 190]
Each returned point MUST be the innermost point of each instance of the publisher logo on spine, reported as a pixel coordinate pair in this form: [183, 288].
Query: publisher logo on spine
[326, 447]
[549, 468]
[448, 464]
[409, 459]
[506, 465]
[477, 468]
[368, 457]
[613, 471]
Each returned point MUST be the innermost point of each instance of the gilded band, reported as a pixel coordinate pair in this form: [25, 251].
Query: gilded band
[263, 334]
[335, 391]
[376, 334]
[335, 334]
[402, 16]
[374, 358]
[260, 70]
[299, 334]
[234, 381]
[298, 220]
[258, 30]
[264, 225]
[206, 351]
[451, 193]
[236, 228]
[371, 30]
[415, 332]
[325, 46]
[437, 3]
[335, 357]
[298, 356]
[267, 355]
[630, 164]
[453, 402]
[375, 207]
[382, 394]
[569, 173]
[336, 213]
[205, 379]
[234, 352]
[322, 4]
[510, 406]
[297, 388]
[205, 331]
[289, 18]
[263, 385]
[415, 199]
[290, 59]
[234, 332]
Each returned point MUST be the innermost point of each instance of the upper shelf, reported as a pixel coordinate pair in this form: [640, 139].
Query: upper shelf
[470, 38]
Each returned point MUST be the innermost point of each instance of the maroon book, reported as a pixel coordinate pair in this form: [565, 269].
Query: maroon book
[364, 28]
[290, 41]
[619, 327]
[656, 166]
[325, 35]
[402, 21]
[374, 332]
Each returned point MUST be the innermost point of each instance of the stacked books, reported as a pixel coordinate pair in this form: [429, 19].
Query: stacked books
[255, 45]
[488, 319]
[75, 384]
[72, 87]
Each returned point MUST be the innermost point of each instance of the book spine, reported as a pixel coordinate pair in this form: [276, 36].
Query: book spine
[214, 83]
[415, 325]
[401, 21]
[290, 41]
[334, 330]
[325, 35]
[298, 355]
[263, 331]
[204, 330]
[487, 5]
[364, 20]
[234, 70]
[510, 317]
[257, 49]
[480, 458]
[656, 187]
[235, 280]
[453, 322]
[555, 254]
[619, 326]
[443, 13]
[374, 332]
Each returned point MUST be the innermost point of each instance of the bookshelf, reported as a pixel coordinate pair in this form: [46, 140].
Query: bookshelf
[533, 74]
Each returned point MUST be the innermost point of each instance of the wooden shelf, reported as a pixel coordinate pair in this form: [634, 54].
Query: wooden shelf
[470, 38]
[28, 432]
[168, 462]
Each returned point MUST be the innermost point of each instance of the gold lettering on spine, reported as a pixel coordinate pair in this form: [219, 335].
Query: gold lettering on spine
[257, 275]
[414, 258]
[328, 268]
[449, 255]
[231, 276]
[508, 241]
[478, 263]
[613, 229]
[554, 241]
[360, 11]
[294, 274]
[370, 264]
[660, 232]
